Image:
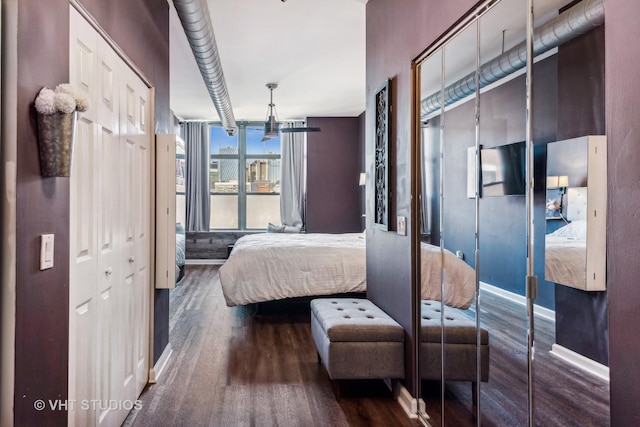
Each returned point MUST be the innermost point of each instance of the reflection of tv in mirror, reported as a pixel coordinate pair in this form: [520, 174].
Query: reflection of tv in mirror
[503, 170]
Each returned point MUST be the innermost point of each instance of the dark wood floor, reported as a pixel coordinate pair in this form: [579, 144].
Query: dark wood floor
[563, 395]
[233, 368]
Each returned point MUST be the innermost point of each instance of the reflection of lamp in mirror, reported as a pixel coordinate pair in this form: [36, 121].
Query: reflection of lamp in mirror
[559, 183]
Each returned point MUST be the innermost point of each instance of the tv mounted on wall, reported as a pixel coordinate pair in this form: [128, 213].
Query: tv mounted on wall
[503, 170]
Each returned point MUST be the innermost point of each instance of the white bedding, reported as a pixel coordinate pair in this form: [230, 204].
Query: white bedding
[565, 255]
[565, 260]
[273, 266]
[459, 277]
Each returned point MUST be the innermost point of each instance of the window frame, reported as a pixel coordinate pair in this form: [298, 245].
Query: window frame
[242, 157]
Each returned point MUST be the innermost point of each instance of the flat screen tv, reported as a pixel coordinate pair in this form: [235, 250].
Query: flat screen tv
[503, 170]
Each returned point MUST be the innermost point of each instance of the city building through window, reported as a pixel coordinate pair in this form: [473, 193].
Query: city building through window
[244, 176]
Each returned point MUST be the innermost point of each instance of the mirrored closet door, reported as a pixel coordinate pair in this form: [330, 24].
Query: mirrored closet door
[485, 306]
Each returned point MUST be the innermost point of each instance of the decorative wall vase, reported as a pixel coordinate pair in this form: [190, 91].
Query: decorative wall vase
[56, 137]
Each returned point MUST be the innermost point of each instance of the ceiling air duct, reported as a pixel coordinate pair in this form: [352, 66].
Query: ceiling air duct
[568, 25]
[196, 21]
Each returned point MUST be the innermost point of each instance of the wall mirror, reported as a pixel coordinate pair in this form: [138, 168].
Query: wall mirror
[481, 145]
[575, 245]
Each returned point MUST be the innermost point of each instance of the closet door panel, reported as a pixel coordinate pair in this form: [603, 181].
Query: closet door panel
[83, 355]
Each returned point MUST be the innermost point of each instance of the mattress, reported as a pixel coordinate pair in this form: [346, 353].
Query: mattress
[273, 266]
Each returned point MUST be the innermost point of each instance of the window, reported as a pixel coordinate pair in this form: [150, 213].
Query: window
[244, 176]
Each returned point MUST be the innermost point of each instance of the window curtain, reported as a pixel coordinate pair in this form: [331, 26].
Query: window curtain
[292, 184]
[196, 139]
[428, 173]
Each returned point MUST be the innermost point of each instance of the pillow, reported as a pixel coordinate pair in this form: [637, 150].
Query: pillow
[272, 228]
[291, 229]
[575, 230]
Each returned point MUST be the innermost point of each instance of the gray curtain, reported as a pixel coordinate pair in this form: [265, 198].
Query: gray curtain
[292, 184]
[428, 174]
[196, 139]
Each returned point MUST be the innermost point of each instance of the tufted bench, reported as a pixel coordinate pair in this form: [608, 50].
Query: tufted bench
[459, 349]
[357, 340]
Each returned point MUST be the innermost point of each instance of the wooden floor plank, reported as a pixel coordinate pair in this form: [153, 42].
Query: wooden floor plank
[231, 367]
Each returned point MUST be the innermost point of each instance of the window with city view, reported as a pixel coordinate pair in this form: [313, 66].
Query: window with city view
[244, 176]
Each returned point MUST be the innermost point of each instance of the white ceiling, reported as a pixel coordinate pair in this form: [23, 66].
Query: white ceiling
[313, 49]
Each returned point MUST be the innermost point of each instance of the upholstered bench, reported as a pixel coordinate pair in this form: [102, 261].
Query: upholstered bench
[357, 340]
[459, 349]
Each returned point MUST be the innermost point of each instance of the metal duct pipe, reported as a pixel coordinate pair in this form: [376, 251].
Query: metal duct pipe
[571, 23]
[196, 21]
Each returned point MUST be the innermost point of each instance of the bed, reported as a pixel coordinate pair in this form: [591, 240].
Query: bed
[566, 255]
[180, 252]
[565, 249]
[273, 266]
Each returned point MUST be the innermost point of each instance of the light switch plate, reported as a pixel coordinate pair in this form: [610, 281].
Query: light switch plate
[46, 251]
[402, 225]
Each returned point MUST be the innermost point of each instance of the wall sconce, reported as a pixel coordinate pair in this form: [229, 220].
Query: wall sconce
[559, 183]
[363, 179]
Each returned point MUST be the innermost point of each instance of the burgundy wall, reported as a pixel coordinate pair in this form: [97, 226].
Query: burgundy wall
[622, 97]
[397, 32]
[42, 297]
[333, 167]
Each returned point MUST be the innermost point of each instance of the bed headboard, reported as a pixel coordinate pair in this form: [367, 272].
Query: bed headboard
[577, 203]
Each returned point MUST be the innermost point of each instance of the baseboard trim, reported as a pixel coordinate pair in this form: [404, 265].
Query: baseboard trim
[409, 403]
[205, 261]
[579, 361]
[158, 368]
[538, 310]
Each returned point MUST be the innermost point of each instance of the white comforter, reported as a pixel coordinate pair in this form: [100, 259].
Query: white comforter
[273, 266]
[459, 278]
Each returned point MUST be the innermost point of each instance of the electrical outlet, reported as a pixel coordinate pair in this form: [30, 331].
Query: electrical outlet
[402, 226]
[460, 254]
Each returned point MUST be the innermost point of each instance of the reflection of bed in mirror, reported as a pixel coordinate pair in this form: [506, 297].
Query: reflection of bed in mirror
[459, 277]
[274, 266]
[566, 248]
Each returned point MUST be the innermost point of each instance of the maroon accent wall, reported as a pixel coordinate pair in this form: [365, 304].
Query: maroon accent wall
[333, 167]
[42, 297]
[622, 100]
[397, 32]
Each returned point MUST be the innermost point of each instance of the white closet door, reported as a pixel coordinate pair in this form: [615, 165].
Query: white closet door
[135, 205]
[83, 267]
[109, 254]
[110, 224]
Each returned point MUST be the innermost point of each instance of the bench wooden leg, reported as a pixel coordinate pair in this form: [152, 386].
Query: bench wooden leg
[474, 393]
[394, 388]
[336, 388]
